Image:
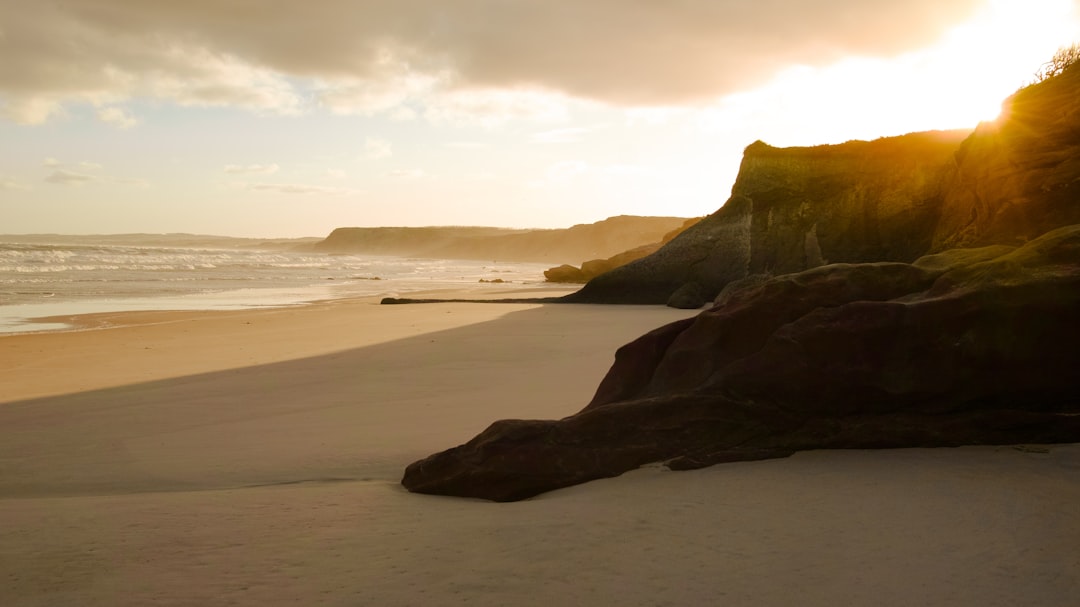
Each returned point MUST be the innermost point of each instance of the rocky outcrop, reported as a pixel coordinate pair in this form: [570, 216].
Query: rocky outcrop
[974, 346]
[565, 273]
[713, 252]
[586, 241]
[796, 208]
[591, 269]
[893, 199]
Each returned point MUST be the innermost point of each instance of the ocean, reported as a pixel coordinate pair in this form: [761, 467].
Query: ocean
[47, 276]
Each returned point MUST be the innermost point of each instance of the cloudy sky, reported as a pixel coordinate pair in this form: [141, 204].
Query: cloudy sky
[286, 118]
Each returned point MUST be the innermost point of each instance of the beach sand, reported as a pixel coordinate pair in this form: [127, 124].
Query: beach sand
[253, 458]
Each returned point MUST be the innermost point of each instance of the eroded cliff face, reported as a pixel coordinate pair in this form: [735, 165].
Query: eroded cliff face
[851, 203]
[797, 208]
[892, 199]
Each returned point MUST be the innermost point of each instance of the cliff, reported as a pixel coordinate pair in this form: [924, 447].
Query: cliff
[584, 241]
[591, 269]
[892, 199]
[915, 291]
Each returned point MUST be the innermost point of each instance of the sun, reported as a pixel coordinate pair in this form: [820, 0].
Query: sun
[999, 51]
[954, 84]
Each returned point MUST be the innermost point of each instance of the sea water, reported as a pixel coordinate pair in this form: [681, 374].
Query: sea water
[39, 278]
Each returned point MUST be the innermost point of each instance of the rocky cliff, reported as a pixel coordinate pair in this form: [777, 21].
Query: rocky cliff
[893, 199]
[971, 346]
[915, 291]
[584, 241]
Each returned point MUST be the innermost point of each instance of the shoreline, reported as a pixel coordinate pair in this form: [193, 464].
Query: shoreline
[125, 312]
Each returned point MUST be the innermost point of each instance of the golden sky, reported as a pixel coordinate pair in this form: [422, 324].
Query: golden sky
[285, 118]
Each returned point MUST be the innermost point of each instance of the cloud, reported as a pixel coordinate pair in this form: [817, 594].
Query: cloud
[83, 173]
[377, 148]
[88, 52]
[117, 117]
[6, 183]
[651, 116]
[335, 174]
[491, 107]
[256, 169]
[298, 189]
[29, 109]
[390, 84]
[407, 174]
[445, 60]
[68, 177]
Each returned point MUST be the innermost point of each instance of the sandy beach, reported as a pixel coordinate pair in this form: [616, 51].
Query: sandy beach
[253, 458]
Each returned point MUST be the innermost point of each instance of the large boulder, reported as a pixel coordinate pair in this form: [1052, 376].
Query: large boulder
[973, 346]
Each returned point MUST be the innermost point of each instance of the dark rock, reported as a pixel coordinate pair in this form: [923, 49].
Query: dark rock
[965, 347]
[690, 296]
[564, 273]
[712, 252]
[735, 288]
[595, 267]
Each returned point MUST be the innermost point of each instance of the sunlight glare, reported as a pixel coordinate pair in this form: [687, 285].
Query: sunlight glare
[956, 83]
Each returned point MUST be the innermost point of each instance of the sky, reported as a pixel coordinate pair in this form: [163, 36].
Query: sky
[277, 118]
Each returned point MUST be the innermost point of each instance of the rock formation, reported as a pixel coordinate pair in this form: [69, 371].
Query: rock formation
[798, 208]
[972, 346]
[908, 292]
[893, 199]
[591, 269]
[601, 239]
